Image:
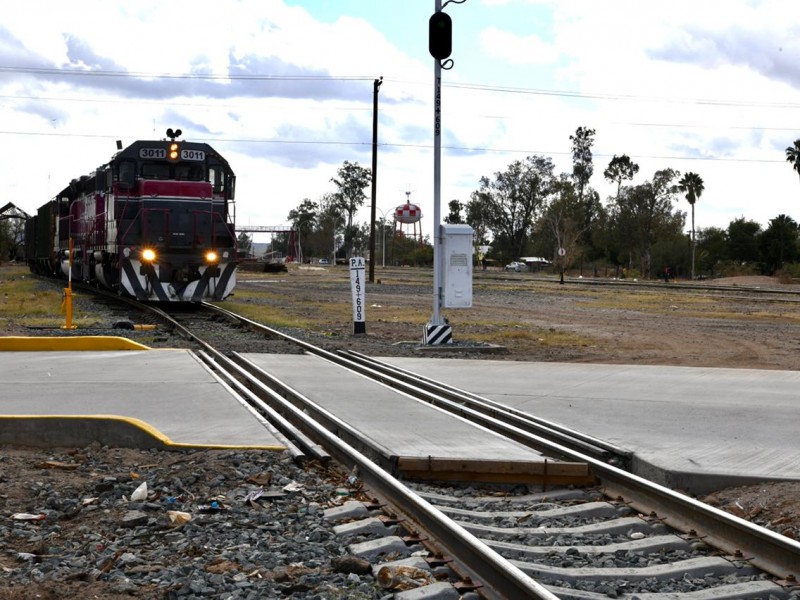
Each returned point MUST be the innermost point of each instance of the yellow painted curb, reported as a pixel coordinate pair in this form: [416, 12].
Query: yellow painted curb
[137, 424]
[86, 342]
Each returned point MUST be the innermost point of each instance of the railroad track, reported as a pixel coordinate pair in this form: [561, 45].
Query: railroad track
[623, 537]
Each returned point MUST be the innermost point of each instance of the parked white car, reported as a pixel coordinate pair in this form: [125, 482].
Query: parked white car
[516, 266]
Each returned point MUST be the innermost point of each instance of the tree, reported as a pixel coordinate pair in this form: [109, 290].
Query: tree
[350, 196]
[302, 219]
[778, 243]
[692, 185]
[712, 246]
[582, 167]
[793, 155]
[514, 198]
[562, 224]
[330, 222]
[742, 240]
[643, 213]
[478, 219]
[454, 216]
[244, 243]
[620, 168]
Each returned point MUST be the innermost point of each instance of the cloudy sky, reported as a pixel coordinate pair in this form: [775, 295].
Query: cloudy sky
[284, 89]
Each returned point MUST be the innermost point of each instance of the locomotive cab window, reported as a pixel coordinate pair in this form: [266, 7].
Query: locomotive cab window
[222, 181]
[155, 171]
[216, 177]
[127, 174]
[192, 172]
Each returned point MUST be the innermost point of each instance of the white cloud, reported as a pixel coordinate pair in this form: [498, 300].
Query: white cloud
[517, 50]
[642, 73]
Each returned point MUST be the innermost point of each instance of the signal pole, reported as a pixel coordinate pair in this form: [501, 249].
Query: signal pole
[440, 44]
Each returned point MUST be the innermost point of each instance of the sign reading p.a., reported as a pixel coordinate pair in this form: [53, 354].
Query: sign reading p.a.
[357, 269]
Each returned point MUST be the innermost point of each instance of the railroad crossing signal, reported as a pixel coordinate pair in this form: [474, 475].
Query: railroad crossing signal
[440, 35]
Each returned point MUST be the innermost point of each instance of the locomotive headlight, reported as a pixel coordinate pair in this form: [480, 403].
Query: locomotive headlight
[211, 257]
[173, 151]
[148, 255]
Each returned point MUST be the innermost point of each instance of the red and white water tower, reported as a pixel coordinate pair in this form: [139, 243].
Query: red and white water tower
[408, 217]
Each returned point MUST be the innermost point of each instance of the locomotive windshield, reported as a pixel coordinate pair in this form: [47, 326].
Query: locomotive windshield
[178, 172]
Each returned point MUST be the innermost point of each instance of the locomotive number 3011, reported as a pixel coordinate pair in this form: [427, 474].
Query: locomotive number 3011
[152, 153]
[198, 155]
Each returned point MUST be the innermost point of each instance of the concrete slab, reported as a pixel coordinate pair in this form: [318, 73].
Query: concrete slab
[166, 397]
[684, 423]
[398, 423]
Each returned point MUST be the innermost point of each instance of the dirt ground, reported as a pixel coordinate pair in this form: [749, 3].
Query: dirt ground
[716, 324]
[721, 324]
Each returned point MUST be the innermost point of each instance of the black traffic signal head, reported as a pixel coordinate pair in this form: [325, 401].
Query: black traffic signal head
[440, 35]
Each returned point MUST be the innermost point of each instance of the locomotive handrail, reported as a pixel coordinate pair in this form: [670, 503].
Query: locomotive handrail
[122, 216]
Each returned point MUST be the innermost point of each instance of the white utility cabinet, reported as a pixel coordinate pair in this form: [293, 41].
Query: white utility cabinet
[457, 265]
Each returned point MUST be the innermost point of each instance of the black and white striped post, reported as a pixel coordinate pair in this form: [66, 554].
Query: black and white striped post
[357, 270]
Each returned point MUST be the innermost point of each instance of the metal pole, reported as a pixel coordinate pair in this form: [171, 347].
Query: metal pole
[375, 87]
[437, 176]
[693, 242]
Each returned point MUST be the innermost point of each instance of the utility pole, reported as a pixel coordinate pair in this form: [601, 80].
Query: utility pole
[375, 87]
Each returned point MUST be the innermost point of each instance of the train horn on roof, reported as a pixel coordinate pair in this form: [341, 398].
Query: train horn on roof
[173, 134]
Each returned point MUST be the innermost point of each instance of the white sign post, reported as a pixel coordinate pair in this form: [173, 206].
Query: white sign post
[357, 269]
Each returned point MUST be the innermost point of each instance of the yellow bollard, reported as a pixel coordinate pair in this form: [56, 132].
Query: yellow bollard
[68, 305]
[68, 293]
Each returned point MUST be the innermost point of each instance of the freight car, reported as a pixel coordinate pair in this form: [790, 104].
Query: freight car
[156, 223]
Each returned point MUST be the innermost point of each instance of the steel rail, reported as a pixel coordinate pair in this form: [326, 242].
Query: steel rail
[276, 419]
[771, 552]
[499, 578]
[223, 365]
[651, 284]
[570, 438]
[533, 440]
[765, 549]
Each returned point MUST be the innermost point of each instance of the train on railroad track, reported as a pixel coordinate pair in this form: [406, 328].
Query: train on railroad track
[156, 223]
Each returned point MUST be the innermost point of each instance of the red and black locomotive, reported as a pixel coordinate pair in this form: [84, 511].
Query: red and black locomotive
[156, 223]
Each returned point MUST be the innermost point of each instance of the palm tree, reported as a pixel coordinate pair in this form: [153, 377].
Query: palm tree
[793, 156]
[692, 185]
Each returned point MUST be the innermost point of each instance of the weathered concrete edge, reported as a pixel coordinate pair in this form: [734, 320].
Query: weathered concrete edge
[696, 483]
[59, 431]
[59, 343]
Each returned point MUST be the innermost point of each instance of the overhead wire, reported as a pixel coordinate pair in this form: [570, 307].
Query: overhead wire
[465, 86]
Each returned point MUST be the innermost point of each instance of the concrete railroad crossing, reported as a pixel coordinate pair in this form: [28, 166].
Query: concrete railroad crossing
[691, 428]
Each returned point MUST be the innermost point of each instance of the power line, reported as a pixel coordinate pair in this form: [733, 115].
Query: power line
[420, 146]
[205, 76]
[365, 108]
[466, 86]
[599, 96]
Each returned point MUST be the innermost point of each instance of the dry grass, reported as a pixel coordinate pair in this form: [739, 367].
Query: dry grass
[23, 301]
[531, 336]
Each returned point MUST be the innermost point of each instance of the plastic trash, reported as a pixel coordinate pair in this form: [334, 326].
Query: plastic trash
[140, 493]
[28, 517]
[178, 517]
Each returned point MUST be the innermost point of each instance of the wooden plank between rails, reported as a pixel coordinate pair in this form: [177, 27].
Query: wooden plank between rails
[495, 471]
